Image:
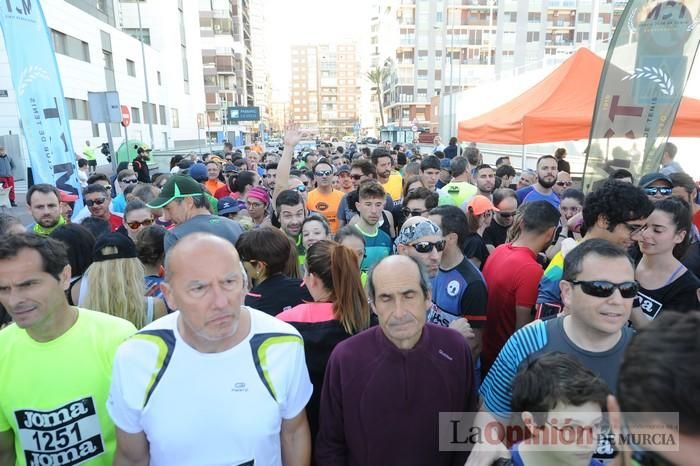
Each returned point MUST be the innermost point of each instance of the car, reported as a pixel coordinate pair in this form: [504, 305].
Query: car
[305, 146]
[370, 140]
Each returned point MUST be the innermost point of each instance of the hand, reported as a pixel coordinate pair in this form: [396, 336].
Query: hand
[292, 135]
[463, 327]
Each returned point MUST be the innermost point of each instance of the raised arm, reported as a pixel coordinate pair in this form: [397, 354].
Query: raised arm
[292, 136]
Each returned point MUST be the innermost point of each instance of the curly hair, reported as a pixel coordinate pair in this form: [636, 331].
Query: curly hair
[616, 201]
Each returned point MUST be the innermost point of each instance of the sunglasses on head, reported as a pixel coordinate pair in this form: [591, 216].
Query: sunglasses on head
[564, 183]
[605, 289]
[427, 246]
[99, 201]
[136, 225]
[654, 190]
[324, 173]
[130, 180]
[412, 213]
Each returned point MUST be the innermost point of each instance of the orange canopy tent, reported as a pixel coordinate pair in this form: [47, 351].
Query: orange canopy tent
[559, 108]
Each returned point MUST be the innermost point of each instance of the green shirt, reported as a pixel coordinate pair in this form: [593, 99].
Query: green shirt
[53, 395]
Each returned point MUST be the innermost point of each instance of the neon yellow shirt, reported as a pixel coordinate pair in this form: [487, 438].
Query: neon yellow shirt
[89, 153]
[53, 395]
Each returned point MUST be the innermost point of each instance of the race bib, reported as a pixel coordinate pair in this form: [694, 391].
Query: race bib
[68, 435]
[650, 307]
[439, 317]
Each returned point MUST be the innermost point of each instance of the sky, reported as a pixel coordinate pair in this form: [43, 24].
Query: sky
[292, 22]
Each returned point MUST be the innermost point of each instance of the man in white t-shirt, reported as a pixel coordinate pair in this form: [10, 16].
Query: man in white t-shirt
[215, 382]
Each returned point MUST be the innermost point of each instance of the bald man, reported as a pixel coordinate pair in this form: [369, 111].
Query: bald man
[386, 387]
[214, 382]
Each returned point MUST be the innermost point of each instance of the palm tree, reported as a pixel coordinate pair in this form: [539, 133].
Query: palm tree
[376, 76]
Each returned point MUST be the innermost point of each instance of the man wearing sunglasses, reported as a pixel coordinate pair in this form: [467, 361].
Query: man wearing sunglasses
[324, 199]
[125, 178]
[97, 201]
[563, 183]
[656, 186]
[663, 356]
[459, 289]
[598, 289]
[496, 233]
[422, 239]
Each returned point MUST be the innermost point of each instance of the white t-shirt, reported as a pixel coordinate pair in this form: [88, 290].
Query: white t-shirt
[210, 409]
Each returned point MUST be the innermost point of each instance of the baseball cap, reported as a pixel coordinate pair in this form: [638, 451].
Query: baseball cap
[177, 187]
[230, 168]
[198, 172]
[480, 204]
[124, 248]
[228, 206]
[67, 197]
[343, 169]
[649, 178]
[445, 164]
[415, 231]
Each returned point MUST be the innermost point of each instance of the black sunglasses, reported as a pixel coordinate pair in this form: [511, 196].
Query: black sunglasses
[130, 181]
[412, 213]
[356, 177]
[564, 183]
[605, 289]
[654, 190]
[507, 214]
[324, 173]
[426, 246]
[95, 202]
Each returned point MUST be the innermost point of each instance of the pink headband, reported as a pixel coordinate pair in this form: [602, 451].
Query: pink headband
[260, 194]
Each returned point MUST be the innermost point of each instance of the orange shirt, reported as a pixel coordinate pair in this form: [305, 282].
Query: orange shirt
[213, 186]
[326, 205]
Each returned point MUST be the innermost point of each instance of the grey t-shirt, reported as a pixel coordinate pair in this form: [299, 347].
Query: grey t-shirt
[219, 226]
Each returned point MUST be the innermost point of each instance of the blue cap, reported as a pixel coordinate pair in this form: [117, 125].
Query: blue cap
[228, 205]
[198, 171]
[445, 164]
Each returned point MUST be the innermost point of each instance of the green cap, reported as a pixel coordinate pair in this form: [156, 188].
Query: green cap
[177, 187]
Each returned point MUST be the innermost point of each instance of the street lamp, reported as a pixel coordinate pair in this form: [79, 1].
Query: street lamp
[149, 112]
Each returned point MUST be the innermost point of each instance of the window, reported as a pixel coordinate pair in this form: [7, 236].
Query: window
[161, 111]
[149, 116]
[70, 46]
[160, 82]
[174, 118]
[135, 115]
[534, 17]
[511, 16]
[107, 59]
[584, 17]
[136, 34]
[77, 109]
[582, 36]
[95, 130]
[533, 36]
[130, 68]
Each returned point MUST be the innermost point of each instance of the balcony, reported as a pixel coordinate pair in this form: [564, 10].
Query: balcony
[560, 24]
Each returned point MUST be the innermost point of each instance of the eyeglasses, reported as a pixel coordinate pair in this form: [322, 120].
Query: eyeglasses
[413, 213]
[301, 188]
[98, 201]
[426, 246]
[136, 225]
[356, 177]
[507, 214]
[654, 190]
[605, 289]
[324, 173]
[130, 180]
[108, 188]
[564, 183]
[254, 205]
[633, 227]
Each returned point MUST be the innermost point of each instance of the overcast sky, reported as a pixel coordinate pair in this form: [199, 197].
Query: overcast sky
[290, 22]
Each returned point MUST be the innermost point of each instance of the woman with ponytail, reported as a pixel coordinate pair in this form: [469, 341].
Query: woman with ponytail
[339, 310]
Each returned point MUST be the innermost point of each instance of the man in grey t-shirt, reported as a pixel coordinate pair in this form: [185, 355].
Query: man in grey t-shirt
[184, 203]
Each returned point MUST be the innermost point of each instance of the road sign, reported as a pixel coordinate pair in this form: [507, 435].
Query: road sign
[414, 128]
[126, 116]
[243, 113]
[104, 107]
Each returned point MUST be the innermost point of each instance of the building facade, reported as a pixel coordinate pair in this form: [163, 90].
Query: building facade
[96, 51]
[325, 91]
[429, 48]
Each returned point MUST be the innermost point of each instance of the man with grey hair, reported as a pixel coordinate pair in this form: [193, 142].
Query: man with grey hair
[422, 240]
[244, 369]
[385, 387]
